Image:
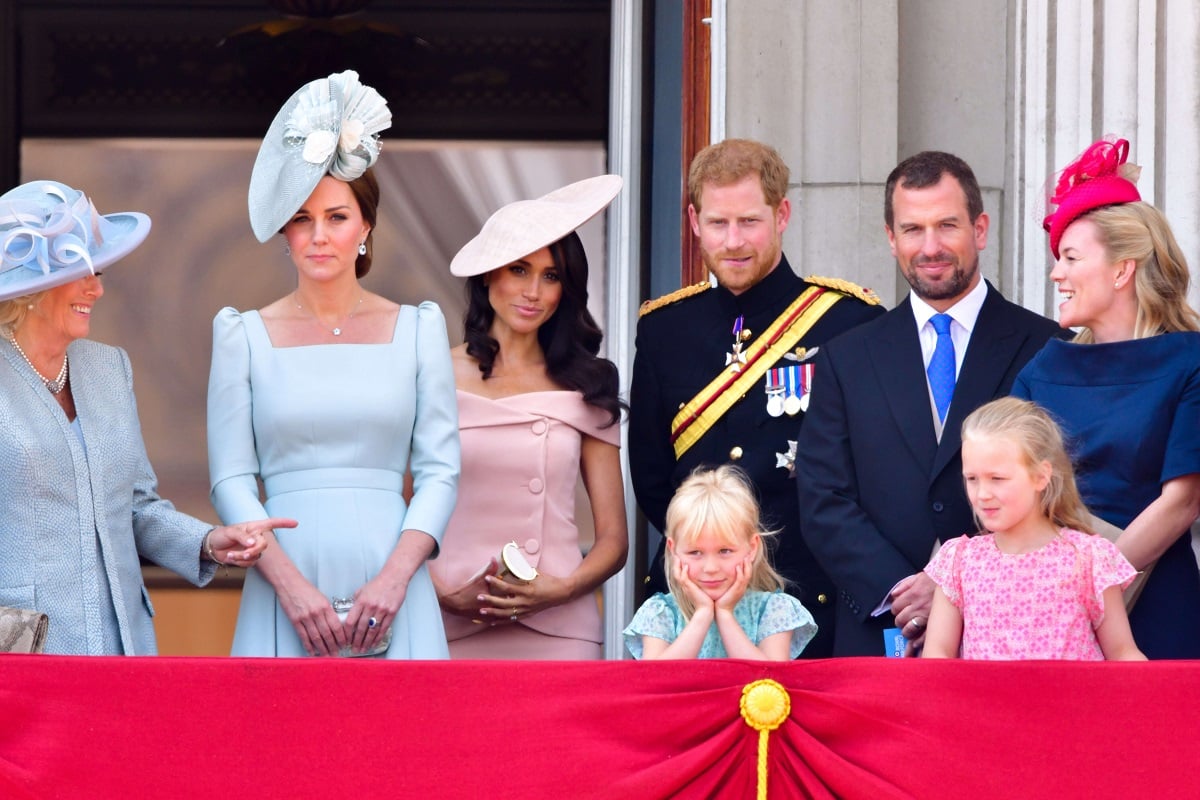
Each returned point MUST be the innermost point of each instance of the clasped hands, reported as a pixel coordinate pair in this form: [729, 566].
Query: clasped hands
[491, 599]
[323, 633]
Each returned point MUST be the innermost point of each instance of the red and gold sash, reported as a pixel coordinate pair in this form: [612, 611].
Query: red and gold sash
[699, 414]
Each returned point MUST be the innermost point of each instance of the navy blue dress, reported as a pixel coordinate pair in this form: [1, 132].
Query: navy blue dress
[1131, 414]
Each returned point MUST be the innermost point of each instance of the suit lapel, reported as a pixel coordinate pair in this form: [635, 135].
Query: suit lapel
[994, 344]
[897, 361]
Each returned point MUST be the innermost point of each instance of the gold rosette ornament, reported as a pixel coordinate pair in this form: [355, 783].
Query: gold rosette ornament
[765, 705]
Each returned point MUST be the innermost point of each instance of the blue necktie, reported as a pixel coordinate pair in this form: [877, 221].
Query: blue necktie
[941, 366]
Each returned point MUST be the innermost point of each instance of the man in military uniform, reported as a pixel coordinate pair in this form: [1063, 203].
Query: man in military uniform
[722, 375]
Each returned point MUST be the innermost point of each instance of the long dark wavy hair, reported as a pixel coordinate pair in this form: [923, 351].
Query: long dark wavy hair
[570, 339]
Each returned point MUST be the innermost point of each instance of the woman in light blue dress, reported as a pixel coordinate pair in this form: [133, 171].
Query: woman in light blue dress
[328, 395]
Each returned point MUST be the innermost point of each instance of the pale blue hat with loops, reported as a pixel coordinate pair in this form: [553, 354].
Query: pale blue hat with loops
[51, 234]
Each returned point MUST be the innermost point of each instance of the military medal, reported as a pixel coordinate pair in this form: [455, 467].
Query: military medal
[806, 376]
[787, 460]
[736, 358]
[791, 403]
[775, 392]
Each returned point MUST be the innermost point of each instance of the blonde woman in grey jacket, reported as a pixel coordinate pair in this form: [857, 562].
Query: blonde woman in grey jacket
[79, 502]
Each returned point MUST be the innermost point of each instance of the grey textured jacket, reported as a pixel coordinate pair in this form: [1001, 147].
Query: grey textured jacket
[74, 517]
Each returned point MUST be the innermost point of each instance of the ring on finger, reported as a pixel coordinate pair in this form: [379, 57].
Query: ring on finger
[917, 622]
[372, 622]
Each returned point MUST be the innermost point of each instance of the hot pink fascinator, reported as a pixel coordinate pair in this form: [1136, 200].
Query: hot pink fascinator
[1099, 177]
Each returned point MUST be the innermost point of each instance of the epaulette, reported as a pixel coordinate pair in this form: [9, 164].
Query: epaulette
[673, 297]
[846, 287]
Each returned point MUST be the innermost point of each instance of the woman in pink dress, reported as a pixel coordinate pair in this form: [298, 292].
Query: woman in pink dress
[537, 408]
[1037, 583]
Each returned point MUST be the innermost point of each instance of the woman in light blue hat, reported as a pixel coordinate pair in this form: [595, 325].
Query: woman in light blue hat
[79, 501]
[328, 395]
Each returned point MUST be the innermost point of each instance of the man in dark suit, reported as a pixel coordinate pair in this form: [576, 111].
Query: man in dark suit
[708, 390]
[880, 474]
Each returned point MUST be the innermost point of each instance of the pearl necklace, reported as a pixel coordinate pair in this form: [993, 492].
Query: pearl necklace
[336, 330]
[55, 386]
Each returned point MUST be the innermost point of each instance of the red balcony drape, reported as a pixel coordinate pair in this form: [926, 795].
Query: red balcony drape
[858, 728]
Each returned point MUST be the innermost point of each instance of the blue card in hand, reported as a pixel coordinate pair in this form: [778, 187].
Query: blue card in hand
[894, 643]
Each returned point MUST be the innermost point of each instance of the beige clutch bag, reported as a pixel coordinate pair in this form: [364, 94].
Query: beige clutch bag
[1111, 532]
[22, 631]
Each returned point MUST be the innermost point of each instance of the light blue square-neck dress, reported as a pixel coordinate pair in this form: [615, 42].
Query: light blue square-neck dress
[330, 429]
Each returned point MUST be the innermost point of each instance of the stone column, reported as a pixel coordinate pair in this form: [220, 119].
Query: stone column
[1089, 69]
[845, 90]
[818, 81]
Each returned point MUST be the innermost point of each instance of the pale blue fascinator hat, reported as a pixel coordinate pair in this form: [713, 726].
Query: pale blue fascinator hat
[51, 234]
[330, 126]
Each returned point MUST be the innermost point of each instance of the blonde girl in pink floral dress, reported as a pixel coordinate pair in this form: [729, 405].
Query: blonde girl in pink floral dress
[1036, 583]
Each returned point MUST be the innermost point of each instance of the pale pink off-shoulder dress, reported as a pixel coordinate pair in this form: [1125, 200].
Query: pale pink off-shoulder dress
[520, 468]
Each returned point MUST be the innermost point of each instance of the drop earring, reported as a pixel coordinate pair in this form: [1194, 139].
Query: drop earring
[362, 248]
[287, 249]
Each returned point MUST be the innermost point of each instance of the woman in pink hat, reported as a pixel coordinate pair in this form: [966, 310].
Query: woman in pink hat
[1127, 388]
[538, 408]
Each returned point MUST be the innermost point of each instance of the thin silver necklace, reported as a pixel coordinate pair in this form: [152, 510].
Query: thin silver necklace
[55, 386]
[336, 330]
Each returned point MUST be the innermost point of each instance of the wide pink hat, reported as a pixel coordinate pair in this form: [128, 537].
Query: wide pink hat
[526, 226]
[1099, 177]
